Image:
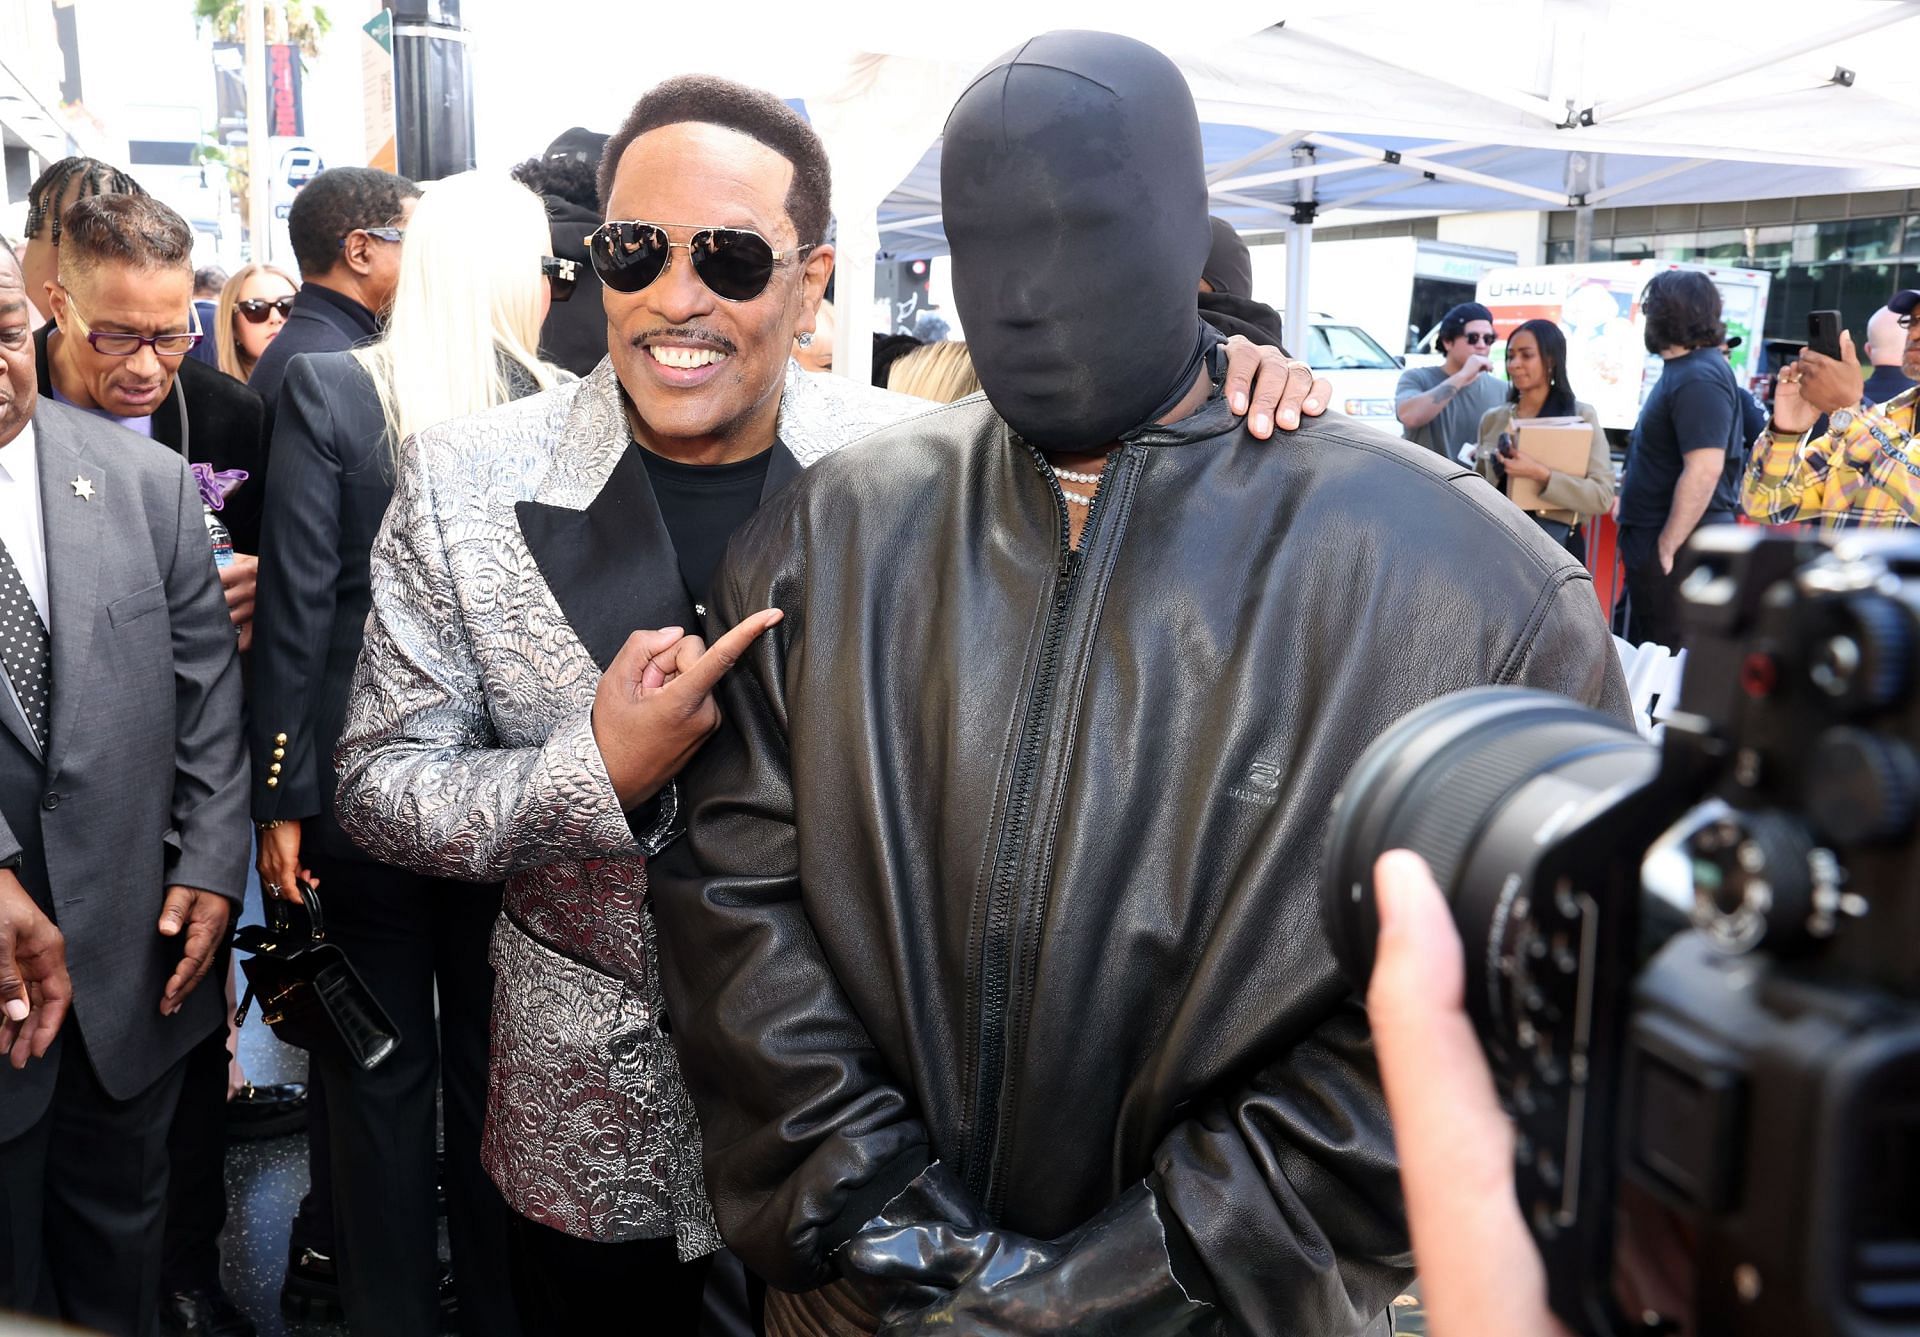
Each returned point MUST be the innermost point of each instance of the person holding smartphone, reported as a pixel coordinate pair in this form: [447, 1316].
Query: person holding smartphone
[1539, 388]
[1861, 470]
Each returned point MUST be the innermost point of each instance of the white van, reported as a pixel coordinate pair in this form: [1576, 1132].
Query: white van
[1362, 373]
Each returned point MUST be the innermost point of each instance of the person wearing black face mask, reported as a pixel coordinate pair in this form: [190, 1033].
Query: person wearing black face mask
[990, 947]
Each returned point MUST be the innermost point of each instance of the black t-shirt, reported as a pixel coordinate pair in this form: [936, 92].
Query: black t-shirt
[703, 504]
[1694, 404]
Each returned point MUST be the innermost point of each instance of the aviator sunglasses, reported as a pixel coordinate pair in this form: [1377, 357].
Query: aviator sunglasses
[735, 263]
[255, 309]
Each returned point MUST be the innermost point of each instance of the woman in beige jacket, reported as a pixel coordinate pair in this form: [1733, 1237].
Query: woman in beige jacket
[1537, 370]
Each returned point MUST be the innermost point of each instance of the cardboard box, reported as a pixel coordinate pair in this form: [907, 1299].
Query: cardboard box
[1564, 444]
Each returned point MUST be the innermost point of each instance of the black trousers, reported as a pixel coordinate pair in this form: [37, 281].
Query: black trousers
[197, 1152]
[563, 1285]
[1653, 604]
[82, 1194]
[412, 938]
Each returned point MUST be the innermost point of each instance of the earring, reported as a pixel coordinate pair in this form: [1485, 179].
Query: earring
[804, 338]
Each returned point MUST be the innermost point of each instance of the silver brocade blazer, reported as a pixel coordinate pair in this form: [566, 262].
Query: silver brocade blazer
[521, 547]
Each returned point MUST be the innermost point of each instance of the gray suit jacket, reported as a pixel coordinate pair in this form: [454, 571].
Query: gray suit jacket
[144, 781]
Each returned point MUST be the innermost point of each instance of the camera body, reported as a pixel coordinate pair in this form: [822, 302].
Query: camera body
[1695, 967]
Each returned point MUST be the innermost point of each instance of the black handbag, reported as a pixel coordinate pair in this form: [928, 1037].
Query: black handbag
[309, 992]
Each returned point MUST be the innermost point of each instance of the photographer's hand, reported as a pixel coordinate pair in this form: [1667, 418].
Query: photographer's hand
[1480, 1275]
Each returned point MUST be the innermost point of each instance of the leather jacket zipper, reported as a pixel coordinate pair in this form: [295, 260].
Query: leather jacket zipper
[997, 944]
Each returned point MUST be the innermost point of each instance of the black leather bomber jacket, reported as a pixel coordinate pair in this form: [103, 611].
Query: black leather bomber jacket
[1008, 857]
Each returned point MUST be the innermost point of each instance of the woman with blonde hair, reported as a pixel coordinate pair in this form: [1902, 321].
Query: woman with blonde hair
[939, 371]
[473, 289]
[253, 306]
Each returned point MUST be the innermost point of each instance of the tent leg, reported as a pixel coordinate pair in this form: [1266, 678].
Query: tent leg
[1299, 315]
[1583, 234]
[856, 245]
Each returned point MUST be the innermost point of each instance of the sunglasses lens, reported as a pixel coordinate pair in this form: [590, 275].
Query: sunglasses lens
[256, 311]
[560, 289]
[736, 265]
[628, 256]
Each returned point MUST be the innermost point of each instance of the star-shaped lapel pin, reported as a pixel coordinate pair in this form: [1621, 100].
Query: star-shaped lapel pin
[83, 487]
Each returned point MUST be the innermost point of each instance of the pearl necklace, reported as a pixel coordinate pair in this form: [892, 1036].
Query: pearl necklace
[1069, 476]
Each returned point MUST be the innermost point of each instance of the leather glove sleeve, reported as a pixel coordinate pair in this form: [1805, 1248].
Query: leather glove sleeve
[922, 1244]
[1113, 1276]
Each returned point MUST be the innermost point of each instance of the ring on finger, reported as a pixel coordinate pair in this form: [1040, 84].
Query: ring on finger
[273, 888]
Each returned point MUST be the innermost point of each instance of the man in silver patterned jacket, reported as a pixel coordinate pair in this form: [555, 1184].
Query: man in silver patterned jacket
[507, 719]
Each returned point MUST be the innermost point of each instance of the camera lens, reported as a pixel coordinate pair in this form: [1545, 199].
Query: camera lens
[1479, 783]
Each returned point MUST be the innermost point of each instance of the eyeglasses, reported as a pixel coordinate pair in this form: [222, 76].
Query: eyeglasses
[1481, 340]
[561, 276]
[735, 263]
[1906, 321]
[392, 234]
[117, 344]
[256, 309]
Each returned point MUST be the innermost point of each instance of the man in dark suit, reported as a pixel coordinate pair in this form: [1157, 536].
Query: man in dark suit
[122, 813]
[345, 226]
[124, 264]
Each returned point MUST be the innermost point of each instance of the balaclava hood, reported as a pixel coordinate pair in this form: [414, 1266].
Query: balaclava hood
[1075, 199]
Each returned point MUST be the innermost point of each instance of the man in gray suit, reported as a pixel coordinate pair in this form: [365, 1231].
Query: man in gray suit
[123, 791]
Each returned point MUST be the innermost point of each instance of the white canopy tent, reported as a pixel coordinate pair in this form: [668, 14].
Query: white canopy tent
[1316, 108]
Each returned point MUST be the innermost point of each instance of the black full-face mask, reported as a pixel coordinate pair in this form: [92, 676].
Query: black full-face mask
[1075, 197]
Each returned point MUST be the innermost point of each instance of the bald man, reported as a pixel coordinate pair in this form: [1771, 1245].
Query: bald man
[1886, 349]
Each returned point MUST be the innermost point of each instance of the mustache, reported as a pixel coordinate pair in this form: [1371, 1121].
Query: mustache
[686, 334]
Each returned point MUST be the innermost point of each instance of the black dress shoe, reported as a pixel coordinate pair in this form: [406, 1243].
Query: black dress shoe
[203, 1313]
[267, 1111]
[311, 1292]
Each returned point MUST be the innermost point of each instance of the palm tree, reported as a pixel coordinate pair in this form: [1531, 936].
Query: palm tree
[296, 21]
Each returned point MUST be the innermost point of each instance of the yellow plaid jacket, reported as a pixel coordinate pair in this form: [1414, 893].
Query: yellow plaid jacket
[1868, 473]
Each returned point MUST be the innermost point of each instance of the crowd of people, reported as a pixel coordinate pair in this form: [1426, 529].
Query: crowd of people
[1836, 448]
[890, 863]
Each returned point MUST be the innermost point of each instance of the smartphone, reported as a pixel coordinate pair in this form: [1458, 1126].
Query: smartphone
[1823, 333]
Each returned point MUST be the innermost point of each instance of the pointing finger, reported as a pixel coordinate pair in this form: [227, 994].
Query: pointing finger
[701, 677]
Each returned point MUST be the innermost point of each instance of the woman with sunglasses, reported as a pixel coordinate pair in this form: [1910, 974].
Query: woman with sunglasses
[253, 306]
[1441, 407]
[1537, 375]
[474, 285]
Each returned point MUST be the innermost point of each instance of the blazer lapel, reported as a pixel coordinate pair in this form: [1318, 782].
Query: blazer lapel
[75, 532]
[610, 563]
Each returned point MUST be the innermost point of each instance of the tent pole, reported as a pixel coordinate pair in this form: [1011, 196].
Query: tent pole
[1299, 317]
[1583, 234]
[1299, 314]
[857, 248]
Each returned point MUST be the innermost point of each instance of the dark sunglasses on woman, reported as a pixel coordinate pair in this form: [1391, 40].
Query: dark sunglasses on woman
[254, 309]
[561, 276]
[735, 263]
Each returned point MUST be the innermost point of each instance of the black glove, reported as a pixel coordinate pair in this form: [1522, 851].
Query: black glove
[1113, 1277]
[902, 1272]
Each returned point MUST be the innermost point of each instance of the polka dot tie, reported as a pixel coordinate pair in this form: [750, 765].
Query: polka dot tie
[26, 651]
